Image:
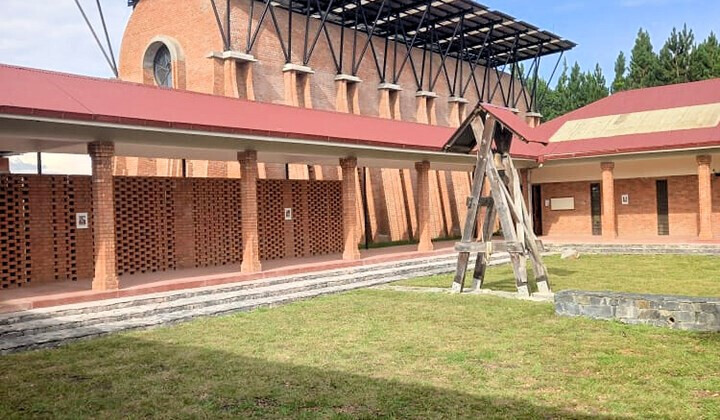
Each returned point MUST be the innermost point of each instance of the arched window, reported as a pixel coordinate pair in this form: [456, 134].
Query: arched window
[162, 67]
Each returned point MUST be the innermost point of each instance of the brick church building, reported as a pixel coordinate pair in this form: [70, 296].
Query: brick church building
[243, 131]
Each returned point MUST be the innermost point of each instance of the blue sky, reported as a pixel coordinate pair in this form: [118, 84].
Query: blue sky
[52, 35]
[603, 28]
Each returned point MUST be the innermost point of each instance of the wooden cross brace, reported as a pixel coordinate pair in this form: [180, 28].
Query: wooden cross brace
[505, 203]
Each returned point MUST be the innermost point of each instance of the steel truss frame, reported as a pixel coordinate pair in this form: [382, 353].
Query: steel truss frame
[419, 34]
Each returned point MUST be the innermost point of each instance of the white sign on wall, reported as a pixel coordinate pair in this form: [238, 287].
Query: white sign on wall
[288, 213]
[562, 203]
[625, 199]
[81, 220]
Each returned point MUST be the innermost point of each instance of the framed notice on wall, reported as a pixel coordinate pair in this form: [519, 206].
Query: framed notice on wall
[81, 220]
[288, 213]
[562, 203]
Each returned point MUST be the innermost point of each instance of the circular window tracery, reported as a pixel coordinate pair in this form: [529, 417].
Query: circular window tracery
[162, 67]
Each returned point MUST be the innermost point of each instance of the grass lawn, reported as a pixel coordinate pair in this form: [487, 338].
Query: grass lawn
[661, 274]
[375, 353]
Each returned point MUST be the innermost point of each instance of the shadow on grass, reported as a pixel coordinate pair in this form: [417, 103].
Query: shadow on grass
[125, 376]
[554, 271]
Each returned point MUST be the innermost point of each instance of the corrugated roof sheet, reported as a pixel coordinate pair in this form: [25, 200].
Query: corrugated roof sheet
[43, 93]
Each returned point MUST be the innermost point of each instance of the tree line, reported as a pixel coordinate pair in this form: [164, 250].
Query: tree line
[680, 60]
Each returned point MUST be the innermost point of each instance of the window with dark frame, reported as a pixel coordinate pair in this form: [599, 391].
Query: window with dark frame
[162, 67]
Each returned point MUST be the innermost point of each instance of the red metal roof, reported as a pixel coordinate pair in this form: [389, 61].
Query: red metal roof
[519, 127]
[639, 100]
[34, 92]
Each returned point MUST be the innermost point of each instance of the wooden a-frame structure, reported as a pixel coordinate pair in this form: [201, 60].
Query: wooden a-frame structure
[490, 130]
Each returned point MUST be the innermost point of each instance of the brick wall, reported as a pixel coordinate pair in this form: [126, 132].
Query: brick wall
[639, 217]
[162, 224]
[316, 224]
[392, 213]
[567, 222]
[683, 205]
[39, 241]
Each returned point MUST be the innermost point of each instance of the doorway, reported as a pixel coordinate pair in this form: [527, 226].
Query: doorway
[537, 208]
[596, 208]
[661, 192]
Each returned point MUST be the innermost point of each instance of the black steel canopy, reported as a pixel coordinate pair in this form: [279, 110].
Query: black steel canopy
[487, 40]
[464, 27]
[468, 27]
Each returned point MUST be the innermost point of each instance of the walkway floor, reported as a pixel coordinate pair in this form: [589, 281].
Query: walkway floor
[66, 292]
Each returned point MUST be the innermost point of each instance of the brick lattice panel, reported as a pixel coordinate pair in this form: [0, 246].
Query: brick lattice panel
[216, 221]
[161, 224]
[67, 196]
[144, 224]
[15, 257]
[299, 200]
[271, 219]
[325, 224]
[39, 239]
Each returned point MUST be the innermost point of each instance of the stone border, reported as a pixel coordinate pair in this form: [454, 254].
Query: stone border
[679, 312]
[649, 249]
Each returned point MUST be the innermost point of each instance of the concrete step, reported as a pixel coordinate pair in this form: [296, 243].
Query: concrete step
[156, 298]
[143, 307]
[55, 326]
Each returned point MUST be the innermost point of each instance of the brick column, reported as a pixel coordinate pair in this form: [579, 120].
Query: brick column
[346, 98]
[249, 211]
[421, 113]
[4, 165]
[291, 88]
[609, 230]
[705, 197]
[349, 203]
[533, 119]
[101, 157]
[341, 96]
[423, 206]
[297, 85]
[389, 106]
[456, 110]
[425, 107]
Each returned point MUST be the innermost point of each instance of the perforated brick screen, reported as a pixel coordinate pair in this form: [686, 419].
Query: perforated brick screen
[38, 237]
[161, 224]
[144, 224]
[316, 224]
[217, 231]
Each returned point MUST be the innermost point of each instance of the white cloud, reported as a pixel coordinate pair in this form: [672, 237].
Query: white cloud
[52, 34]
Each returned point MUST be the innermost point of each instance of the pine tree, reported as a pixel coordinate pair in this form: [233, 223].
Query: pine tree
[675, 57]
[576, 94]
[705, 63]
[620, 82]
[596, 86]
[644, 65]
[554, 102]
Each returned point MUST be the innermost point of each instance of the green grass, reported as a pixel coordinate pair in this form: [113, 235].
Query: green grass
[375, 353]
[661, 274]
